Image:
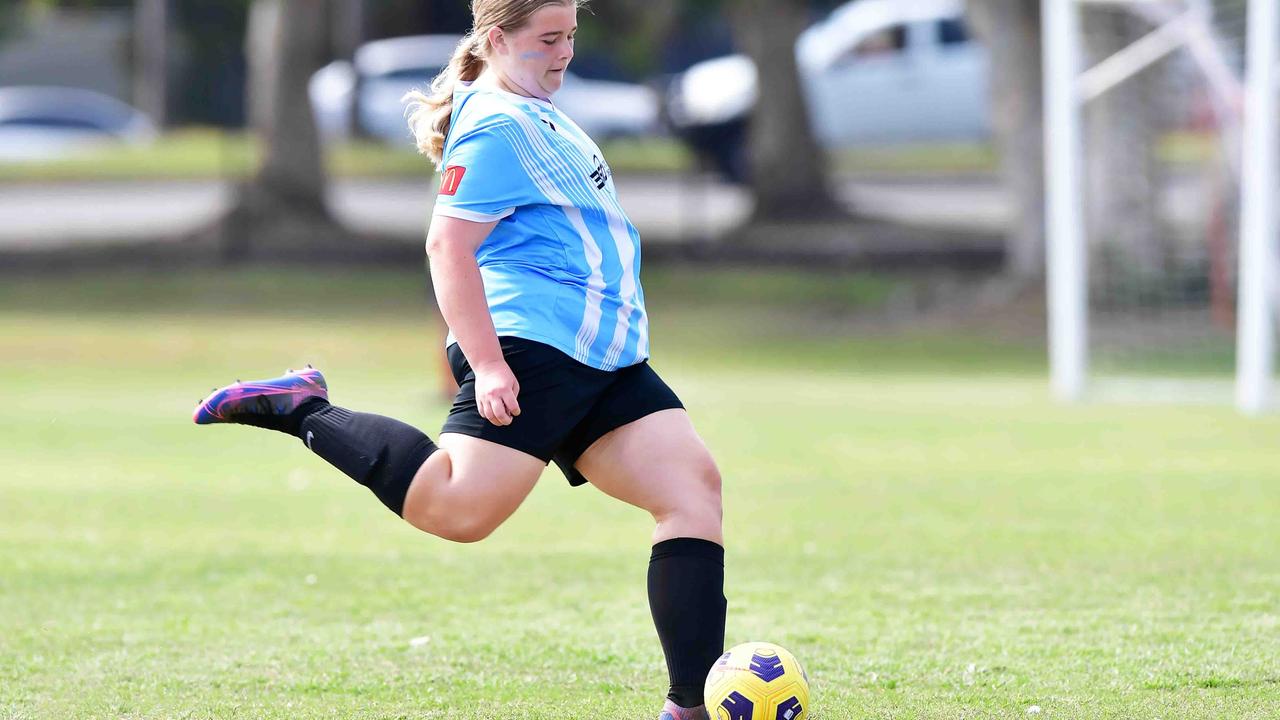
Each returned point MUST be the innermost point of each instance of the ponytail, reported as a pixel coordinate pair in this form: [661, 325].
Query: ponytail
[429, 115]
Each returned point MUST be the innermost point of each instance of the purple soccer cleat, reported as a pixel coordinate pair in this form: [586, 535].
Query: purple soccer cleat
[672, 711]
[248, 402]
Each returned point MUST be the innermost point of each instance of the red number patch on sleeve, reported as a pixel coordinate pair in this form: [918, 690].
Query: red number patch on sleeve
[452, 179]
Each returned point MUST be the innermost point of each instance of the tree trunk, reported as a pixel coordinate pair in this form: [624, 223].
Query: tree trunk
[285, 41]
[1010, 29]
[788, 170]
[283, 205]
[151, 59]
[348, 22]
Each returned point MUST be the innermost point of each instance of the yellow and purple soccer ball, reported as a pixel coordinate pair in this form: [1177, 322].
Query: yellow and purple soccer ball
[757, 681]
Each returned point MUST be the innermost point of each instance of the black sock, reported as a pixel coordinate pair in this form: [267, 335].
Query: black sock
[378, 452]
[686, 597]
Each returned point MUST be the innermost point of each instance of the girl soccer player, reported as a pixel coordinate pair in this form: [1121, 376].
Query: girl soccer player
[536, 271]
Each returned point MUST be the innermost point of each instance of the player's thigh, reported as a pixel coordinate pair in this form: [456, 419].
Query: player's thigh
[657, 463]
[482, 484]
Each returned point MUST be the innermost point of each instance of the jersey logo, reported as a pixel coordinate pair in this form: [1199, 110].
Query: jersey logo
[600, 176]
[451, 179]
[549, 124]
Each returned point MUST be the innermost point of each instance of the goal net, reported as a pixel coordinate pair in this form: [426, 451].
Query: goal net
[1159, 122]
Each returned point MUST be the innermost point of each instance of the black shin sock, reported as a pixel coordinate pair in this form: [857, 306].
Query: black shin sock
[686, 597]
[378, 452]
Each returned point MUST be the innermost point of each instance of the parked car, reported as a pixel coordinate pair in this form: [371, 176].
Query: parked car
[384, 70]
[38, 123]
[873, 72]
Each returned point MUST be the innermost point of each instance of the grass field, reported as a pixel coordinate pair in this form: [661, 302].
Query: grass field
[906, 511]
[197, 153]
[207, 153]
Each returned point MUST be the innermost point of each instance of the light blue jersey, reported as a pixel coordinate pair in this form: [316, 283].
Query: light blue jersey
[562, 266]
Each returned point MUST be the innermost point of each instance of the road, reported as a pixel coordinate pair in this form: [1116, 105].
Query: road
[664, 208]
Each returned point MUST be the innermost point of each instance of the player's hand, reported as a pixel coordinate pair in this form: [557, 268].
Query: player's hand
[496, 391]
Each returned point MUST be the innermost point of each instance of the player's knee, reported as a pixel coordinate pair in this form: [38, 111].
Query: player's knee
[711, 481]
[470, 535]
[711, 512]
[467, 529]
[698, 496]
[456, 524]
[708, 482]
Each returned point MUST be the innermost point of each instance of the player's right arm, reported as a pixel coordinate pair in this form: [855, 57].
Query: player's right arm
[481, 183]
[451, 247]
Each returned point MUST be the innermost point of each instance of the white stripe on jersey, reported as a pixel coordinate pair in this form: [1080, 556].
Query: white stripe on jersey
[617, 230]
[595, 258]
[626, 252]
[626, 255]
[591, 315]
[470, 215]
[642, 347]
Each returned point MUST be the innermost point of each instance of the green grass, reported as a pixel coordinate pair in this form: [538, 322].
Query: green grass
[206, 153]
[906, 511]
[925, 159]
[198, 153]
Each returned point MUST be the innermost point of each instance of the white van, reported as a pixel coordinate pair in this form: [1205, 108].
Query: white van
[384, 70]
[874, 71]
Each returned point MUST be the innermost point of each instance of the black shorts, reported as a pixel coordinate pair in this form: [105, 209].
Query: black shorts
[565, 406]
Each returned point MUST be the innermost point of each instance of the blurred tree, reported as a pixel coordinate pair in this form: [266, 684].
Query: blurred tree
[10, 21]
[151, 58]
[649, 24]
[40, 5]
[209, 82]
[1011, 31]
[788, 170]
[348, 26]
[282, 207]
[389, 18]
[393, 18]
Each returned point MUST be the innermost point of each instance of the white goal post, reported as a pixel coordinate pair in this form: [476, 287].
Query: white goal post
[1245, 112]
[1255, 336]
[1067, 292]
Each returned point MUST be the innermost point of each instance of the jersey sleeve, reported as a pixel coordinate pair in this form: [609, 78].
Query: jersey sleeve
[483, 178]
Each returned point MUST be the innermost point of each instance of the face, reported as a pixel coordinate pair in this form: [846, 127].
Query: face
[533, 58]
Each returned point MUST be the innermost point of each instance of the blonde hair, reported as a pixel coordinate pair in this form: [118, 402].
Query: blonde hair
[429, 113]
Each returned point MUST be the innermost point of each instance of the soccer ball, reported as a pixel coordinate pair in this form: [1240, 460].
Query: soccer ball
[757, 681]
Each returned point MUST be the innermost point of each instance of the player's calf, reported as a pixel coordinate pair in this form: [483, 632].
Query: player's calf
[378, 452]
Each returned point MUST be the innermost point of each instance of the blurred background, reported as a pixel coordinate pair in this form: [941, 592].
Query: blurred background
[904, 139]
[847, 244]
